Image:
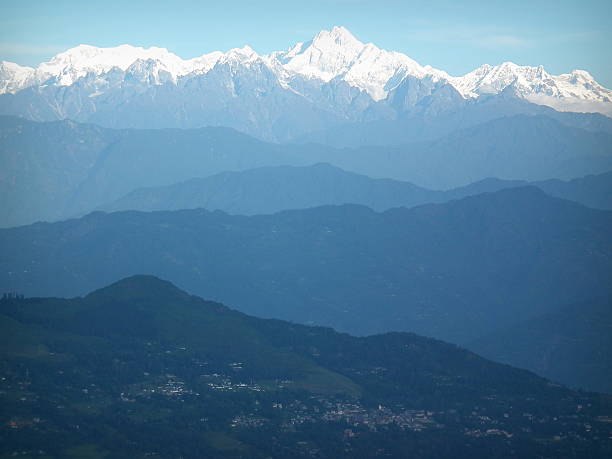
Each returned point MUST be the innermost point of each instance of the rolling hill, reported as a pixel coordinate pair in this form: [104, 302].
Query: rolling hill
[141, 368]
[570, 345]
[454, 271]
[52, 171]
[273, 189]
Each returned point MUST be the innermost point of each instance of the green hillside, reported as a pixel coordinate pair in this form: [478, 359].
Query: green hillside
[142, 369]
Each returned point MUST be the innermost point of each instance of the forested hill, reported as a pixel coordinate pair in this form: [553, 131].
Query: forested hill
[138, 367]
[456, 271]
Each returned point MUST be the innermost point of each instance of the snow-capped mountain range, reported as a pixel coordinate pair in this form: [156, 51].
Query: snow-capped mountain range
[333, 77]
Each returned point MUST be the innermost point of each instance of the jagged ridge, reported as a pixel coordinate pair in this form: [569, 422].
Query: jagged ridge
[334, 55]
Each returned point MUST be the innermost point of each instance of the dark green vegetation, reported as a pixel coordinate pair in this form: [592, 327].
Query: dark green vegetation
[456, 271]
[140, 368]
[50, 171]
[273, 189]
[572, 345]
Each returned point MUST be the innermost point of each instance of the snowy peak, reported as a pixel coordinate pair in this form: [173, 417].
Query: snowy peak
[581, 84]
[151, 66]
[488, 79]
[331, 56]
[240, 55]
[91, 57]
[203, 64]
[150, 72]
[336, 37]
[531, 83]
[14, 69]
[337, 54]
[327, 55]
[14, 77]
[77, 62]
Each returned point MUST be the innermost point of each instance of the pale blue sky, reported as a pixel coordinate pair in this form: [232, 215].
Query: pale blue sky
[455, 36]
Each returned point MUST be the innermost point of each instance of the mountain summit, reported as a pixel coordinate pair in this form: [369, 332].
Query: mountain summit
[330, 54]
[330, 80]
[338, 54]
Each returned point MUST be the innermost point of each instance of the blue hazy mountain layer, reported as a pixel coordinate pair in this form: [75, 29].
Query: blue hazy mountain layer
[273, 189]
[57, 170]
[571, 345]
[456, 271]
